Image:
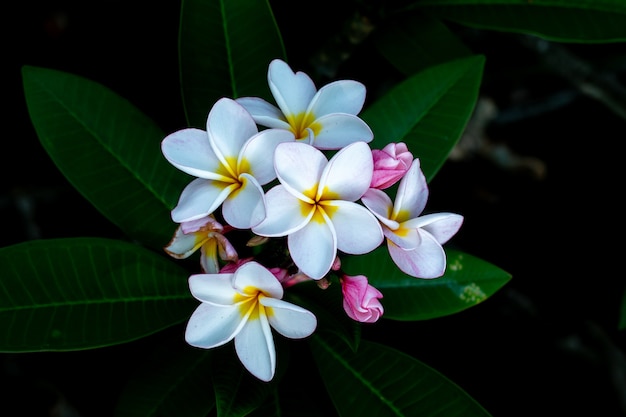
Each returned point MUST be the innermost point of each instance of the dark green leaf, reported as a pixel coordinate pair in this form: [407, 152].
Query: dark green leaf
[467, 281]
[428, 111]
[81, 293]
[381, 381]
[557, 20]
[170, 383]
[327, 305]
[107, 149]
[225, 49]
[237, 392]
[415, 41]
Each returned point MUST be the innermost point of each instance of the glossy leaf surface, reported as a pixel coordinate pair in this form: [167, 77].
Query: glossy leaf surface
[107, 149]
[169, 384]
[225, 48]
[428, 111]
[467, 281]
[82, 293]
[558, 20]
[380, 381]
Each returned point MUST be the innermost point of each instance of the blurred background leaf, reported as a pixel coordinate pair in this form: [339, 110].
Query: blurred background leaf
[83, 293]
[412, 42]
[428, 111]
[107, 149]
[468, 280]
[381, 381]
[562, 21]
[171, 382]
[225, 48]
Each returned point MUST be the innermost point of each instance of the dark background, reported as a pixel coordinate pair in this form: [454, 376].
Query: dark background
[539, 181]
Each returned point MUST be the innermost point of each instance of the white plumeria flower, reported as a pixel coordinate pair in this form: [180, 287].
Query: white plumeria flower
[325, 119]
[315, 205]
[231, 160]
[414, 241]
[207, 235]
[242, 306]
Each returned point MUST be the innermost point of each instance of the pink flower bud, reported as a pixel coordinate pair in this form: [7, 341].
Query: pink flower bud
[390, 164]
[361, 300]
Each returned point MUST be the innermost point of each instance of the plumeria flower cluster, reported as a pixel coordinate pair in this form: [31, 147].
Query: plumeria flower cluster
[268, 209]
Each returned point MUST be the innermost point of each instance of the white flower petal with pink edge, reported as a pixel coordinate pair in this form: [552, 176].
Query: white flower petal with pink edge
[414, 242]
[183, 244]
[322, 201]
[412, 194]
[357, 230]
[245, 305]
[427, 260]
[255, 155]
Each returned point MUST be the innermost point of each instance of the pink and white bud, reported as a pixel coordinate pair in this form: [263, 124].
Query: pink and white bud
[361, 300]
[390, 164]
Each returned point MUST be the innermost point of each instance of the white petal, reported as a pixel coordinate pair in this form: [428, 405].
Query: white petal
[200, 198]
[299, 167]
[264, 113]
[412, 194]
[358, 231]
[211, 325]
[285, 213]
[183, 245]
[190, 151]
[292, 91]
[405, 237]
[213, 288]
[338, 130]
[379, 203]
[348, 174]
[344, 96]
[255, 348]
[289, 319]
[258, 154]
[428, 260]
[229, 126]
[245, 206]
[252, 274]
[441, 225]
[314, 247]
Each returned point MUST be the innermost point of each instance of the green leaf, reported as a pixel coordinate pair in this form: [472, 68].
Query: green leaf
[237, 392]
[107, 149]
[415, 41]
[381, 381]
[581, 21]
[467, 281]
[169, 384]
[428, 111]
[225, 48]
[81, 293]
[327, 305]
